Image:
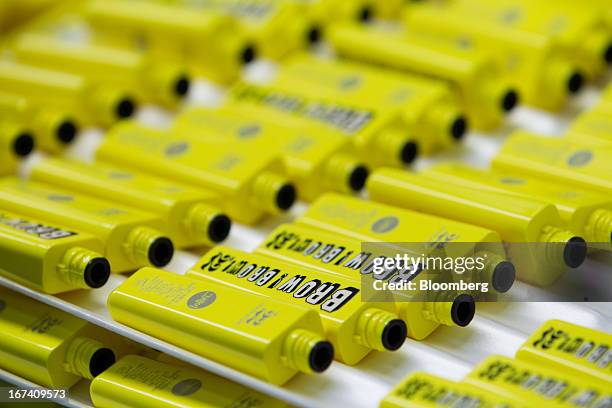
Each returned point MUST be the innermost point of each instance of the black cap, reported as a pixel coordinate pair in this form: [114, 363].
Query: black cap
[509, 100]
[314, 34]
[394, 334]
[97, 272]
[219, 228]
[125, 108]
[607, 56]
[182, 85]
[463, 309]
[100, 361]
[503, 276]
[575, 252]
[358, 177]
[459, 127]
[66, 131]
[575, 82]
[285, 197]
[365, 14]
[161, 252]
[23, 144]
[321, 356]
[248, 54]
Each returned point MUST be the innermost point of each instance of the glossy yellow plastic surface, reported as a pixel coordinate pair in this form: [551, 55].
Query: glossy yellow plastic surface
[251, 185]
[193, 217]
[571, 349]
[582, 163]
[534, 385]
[430, 111]
[422, 390]
[139, 382]
[16, 142]
[316, 159]
[585, 212]
[485, 94]
[48, 346]
[353, 325]
[260, 336]
[131, 237]
[595, 123]
[49, 257]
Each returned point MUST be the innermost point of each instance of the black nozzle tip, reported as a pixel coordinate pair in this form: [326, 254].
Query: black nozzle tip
[459, 128]
[161, 252]
[394, 334]
[358, 178]
[409, 152]
[463, 309]
[66, 132]
[510, 100]
[286, 196]
[575, 82]
[125, 108]
[97, 272]
[182, 85]
[365, 14]
[607, 56]
[575, 252]
[314, 35]
[321, 356]
[23, 144]
[504, 276]
[219, 228]
[100, 361]
[248, 54]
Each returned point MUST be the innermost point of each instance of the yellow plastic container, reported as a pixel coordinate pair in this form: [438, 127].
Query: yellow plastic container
[430, 111]
[210, 44]
[262, 337]
[584, 212]
[90, 104]
[582, 163]
[16, 143]
[131, 238]
[149, 80]
[49, 257]
[566, 347]
[379, 136]
[422, 390]
[193, 216]
[352, 324]
[534, 385]
[535, 236]
[595, 123]
[140, 382]
[345, 257]
[54, 130]
[315, 158]
[486, 95]
[48, 346]
[251, 185]
[545, 72]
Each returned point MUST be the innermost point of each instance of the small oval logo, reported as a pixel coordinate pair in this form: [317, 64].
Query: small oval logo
[349, 83]
[60, 197]
[580, 158]
[186, 387]
[177, 148]
[385, 224]
[121, 175]
[201, 299]
[249, 131]
[512, 180]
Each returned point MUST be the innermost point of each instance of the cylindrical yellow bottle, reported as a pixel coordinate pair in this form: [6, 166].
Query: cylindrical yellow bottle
[582, 163]
[536, 238]
[586, 213]
[422, 390]
[192, 215]
[595, 123]
[211, 44]
[485, 94]
[48, 346]
[140, 382]
[544, 71]
[16, 143]
[54, 130]
[567, 347]
[262, 337]
[150, 81]
[352, 324]
[315, 158]
[88, 103]
[428, 108]
[131, 238]
[537, 386]
[251, 185]
[49, 257]
[344, 257]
